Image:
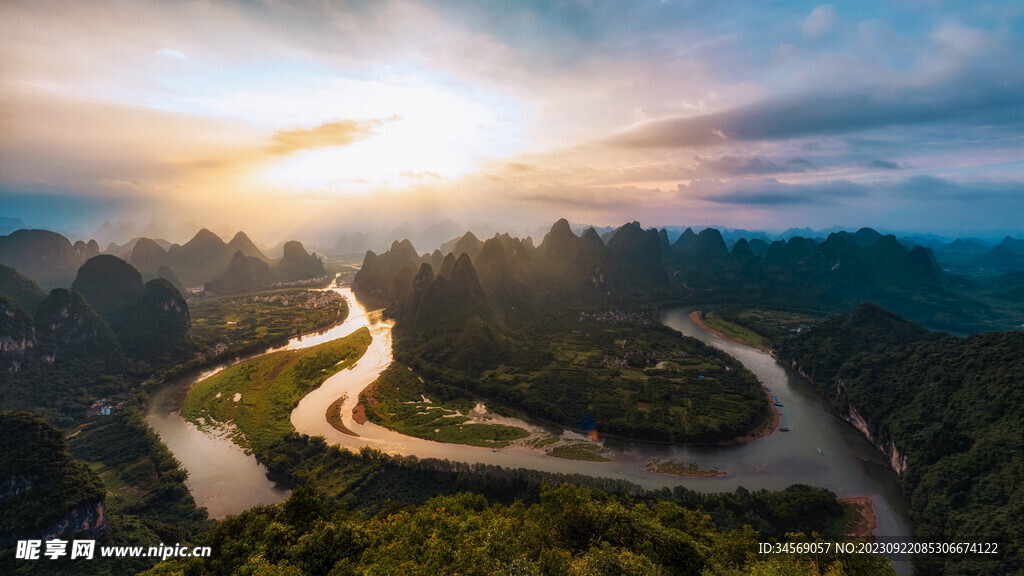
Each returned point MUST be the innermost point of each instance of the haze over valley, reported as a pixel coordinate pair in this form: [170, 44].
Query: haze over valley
[430, 287]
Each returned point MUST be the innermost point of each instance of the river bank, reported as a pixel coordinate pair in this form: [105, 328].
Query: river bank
[697, 318]
[846, 465]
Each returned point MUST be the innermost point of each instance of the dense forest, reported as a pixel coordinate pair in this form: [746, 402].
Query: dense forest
[118, 484]
[952, 408]
[569, 530]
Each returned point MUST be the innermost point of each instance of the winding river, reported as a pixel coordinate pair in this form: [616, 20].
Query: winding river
[820, 449]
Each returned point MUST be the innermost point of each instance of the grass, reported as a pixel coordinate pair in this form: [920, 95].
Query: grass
[268, 389]
[580, 451]
[734, 331]
[773, 325]
[544, 441]
[682, 468]
[397, 400]
[858, 521]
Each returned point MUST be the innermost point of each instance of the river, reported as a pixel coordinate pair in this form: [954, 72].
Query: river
[221, 476]
[820, 449]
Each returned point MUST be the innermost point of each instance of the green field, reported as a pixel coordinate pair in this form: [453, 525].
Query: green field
[235, 324]
[771, 325]
[398, 401]
[543, 441]
[579, 451]
[734, 331]
[682, 468]
[258, 396]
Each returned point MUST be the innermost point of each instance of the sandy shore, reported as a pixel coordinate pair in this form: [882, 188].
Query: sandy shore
[867, 522]
[334, 417]
[695, 317]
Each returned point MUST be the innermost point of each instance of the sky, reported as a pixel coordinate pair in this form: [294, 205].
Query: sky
[322, 118]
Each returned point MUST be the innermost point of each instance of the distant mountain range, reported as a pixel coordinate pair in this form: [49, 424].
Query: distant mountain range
[53, 261]
[829, 275]
[105, 316]
[938, 284]
[47, 257]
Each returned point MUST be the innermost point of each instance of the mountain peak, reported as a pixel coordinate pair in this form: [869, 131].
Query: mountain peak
[560, 227]
[294, 250]
[243, 244]
[560, 243]
[204, 235]
[685, 239]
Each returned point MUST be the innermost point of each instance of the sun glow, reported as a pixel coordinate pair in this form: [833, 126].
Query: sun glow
[423, 132]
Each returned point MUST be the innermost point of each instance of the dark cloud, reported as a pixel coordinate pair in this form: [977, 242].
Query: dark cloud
[771, 192]
[916, 189]
[831, 114]
[936, 188]
[883, 164]
[329, 135]
[745, 165]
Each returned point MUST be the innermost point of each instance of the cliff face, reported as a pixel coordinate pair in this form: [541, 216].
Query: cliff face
[85, 521]
[17, 335]
[44, 492]
[897, 460]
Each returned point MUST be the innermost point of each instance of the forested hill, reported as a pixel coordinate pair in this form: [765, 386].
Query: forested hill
[62, 351]
[561, 332]
[953, 408]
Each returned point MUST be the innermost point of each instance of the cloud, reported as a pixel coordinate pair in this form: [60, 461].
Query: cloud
[742, 165]
[616, 198]
[801, 163]
[819, 22]
[934, 188]
[421, 175]
[810, 115]
[329, 135]
[519, 167]
[883, 164]
[771, 192]
[171, 53]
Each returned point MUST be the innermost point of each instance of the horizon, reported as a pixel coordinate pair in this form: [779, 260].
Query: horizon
[433, 235]
[295, 121]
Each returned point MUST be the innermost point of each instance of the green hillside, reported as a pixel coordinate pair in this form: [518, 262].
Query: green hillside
[953, 409]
